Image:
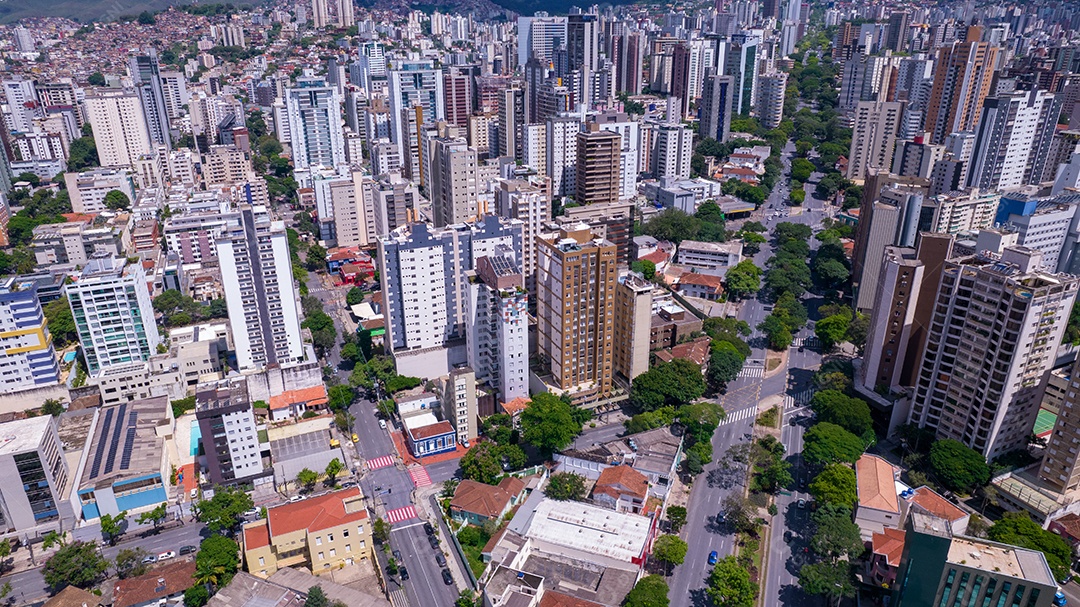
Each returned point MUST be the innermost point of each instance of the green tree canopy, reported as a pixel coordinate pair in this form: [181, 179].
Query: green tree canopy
[826, 443]
[481, 464]
[155, 516]
[831, 579]
[835, 484]
[958, 466]
[1017, 529]
[649, 591]
[730, 584]
[354, 296]
[725, 362]
[668, 384]
[565, 486]
[116, 200]
[61, 323]
[852, 414]
[670, 549]
[832, 330]
[836, 535]
[77, 564]
[222, 513]
[776, 333]
[548, 422]
[218, 560]
[743, 279]
[307, 478]
[339, 397]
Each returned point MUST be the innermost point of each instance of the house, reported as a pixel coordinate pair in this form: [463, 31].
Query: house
[878, 507]
[885, 549]
[426, 435]
[696, 351]
[71, 596]
[703, 286]
[294, 403]
[155, 587]
[476, 503]
[622, 489]
[654, 453]
[928, 501]
[319, 533]
[514, 408]
[1068, 527]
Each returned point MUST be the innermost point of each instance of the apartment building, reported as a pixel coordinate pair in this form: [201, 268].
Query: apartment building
[36, 474]
[598, 158]
[497, 324]
[229, 434]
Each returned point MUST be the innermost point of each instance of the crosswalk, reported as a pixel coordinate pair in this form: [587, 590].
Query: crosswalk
[807, 342]
[798, 399]
[398, 598]
[401, 514]
[751, 372]
[738, 416]
[419, 476]
[380, 462]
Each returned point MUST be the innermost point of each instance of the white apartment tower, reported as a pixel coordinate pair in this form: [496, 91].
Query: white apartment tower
[316, 134]
[114, 317]
[28, 360]
[120, 134]
[320, 13]
[674, 148]
[772, 90]
[263, 304]
[454, 183]
[1012, 137]
[413, 84]
[528, 201]
[497, 325]
[996, 326]
[562, 153]
[873, 139]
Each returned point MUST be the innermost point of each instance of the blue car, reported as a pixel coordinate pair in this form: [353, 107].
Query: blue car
[713, 557]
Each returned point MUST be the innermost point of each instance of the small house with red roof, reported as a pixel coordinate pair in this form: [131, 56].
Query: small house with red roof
[294, 403]
[155, 587]
[927, 501]
[878, 507]
[885, 551]
[320, 533]
[476, 503]
[703, 286]
[621, 488]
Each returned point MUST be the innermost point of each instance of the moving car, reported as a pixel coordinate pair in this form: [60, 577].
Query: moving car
[397, 555]
[168, 554]
[802, 503]
[713, 557]
[382, 424]
[447, 578]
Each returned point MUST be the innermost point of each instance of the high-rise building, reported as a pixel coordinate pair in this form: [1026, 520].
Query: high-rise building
[717, 96]
[459, 402]
[345, 13]
[897, 36]
[119, 127]
[426, 309]
[146, 76]
[741, 63]
[772, 92]
[320, 13]
[114, 317]
[630, 56]
[938, 565]
[901, 278]
[29, 360]
[412, 85]
[629, 159]
[457, 89]
[395, 202]
[539, 35]
[454, 182]
[534, 147]
[316, 132]
[1060, 467]
[873, 138]
[528, 201]
[562, 132]
[36, 473]
[916, 158]
[1013, 140]
[997, 323]
[583, 42]
[230, 433]
[575, 284]
[674, 148]
[962, 79]
[598, 157]
[256, 271]
[633, 322]
[22, 102]
[512, 120]
[497, 324]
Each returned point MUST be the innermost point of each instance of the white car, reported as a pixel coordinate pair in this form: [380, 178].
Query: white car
[168, 554]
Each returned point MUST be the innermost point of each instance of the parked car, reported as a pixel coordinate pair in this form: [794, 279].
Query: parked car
[404, 573]
[713, 557]
[397, 555]
[440, 559]
[434, 541]
[355, 438]
[802, 503]
[148, 559]
[787, 535]
[428, 529]
[382, 424]
[447, 578]
[253, 512]
[187, 550]
[168, 554]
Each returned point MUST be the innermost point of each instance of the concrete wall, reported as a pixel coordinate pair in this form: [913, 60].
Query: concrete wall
[32, 399]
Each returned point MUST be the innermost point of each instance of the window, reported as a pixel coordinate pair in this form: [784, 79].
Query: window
[333, 553]
[318, 540]
[348, 547]
[321, 557]
[262, 561]
[344, 533]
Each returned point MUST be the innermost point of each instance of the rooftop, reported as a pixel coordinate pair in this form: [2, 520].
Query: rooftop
[486, 500]
[619, 480]
[246, 590]
[874, 479]
[313, 397]
[431, 430]
[928, 500]
[321, 512]
[585, 528]
[889, 544]
[126, 443]
[156, 584]
[23, 435]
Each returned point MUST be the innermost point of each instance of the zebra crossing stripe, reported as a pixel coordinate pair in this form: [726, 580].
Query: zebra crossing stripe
[737, 416]
[401, 514]
[419, 476]
[752, 372]
[380, 462]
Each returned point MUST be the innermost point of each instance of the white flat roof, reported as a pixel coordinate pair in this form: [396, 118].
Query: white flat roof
[590, 529]
[420, 420]
[23, 435]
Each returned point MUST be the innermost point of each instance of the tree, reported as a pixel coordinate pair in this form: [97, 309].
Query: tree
[61, 323]
[831, 274]
[673, 225]
[307, 478]
[5, 552]
[670, 549]
[645, 267]
[316, 598]
[112, 527]
[730, 585]
[513, 456]
[677, 517]
[957, 466]
[344, 420]
[78, 564]
[826, 443]
[831, 579]
[835, 484]
[738, 512]
[96, 79]
[743, 279]
[851, 414]
[217, 561]
[836, 536]
[481, 464]
[725, 362]
[340, 397]
[354, 296]
[548, 423]
[52, 407]
[116, 200]
[222, 513]
[129, 562]
[380, 530]
[146, 18]
[155, 516]
[1015, 528]
[316, 258]
[832, 330]
[649, 591]
[196, 596]
[51, 539]
[565, 486]
[671, 384]
[776, 333]
[752, 242]
[333, 469]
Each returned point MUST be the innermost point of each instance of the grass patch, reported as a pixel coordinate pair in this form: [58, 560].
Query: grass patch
[472, 540]
[264, 436]
[770, 418]
[772, 364]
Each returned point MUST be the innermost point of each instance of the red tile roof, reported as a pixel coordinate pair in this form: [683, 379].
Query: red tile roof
[256, 536]
[516, 406]
[436, 429]
[1070, 524]
[558, 599]
[315, 513]
[696, 351]
[312, 397]
[485, 500]
[657, 257]
[622, 480]
[705, 280]
[178, 576]
[889, 544]
[876, 484]
[927, 499]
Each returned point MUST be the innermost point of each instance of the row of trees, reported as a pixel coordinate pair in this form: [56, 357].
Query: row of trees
[673, 225]
[179, 309]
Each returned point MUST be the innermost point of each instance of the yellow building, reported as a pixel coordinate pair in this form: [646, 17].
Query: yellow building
[319, 533]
